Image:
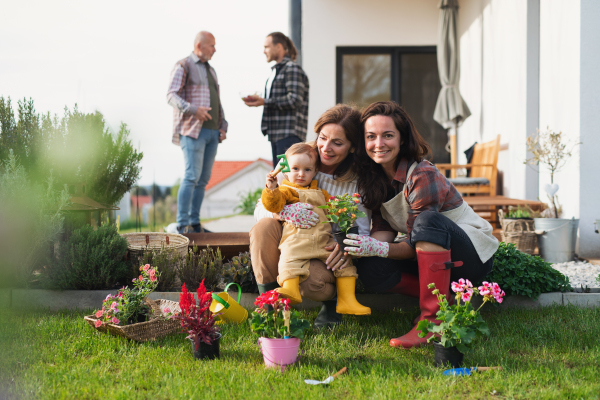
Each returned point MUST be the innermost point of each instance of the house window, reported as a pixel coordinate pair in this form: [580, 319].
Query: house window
[407, 75]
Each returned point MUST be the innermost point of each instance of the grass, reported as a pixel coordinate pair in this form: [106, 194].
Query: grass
[546, 354]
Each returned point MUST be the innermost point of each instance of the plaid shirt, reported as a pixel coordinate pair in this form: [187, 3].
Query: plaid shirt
[188, 90]
[427, 190]
[286, 110]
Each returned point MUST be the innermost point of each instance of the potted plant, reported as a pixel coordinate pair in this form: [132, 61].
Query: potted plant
[279, 328]
[518, 228]
[557, 236]
[130, 313]
[342, 210]
[197, 320]
[460, 323]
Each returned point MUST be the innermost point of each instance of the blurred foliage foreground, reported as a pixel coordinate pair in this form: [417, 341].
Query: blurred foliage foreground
[40, 157]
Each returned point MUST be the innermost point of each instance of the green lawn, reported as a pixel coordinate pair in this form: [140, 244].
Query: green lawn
[546, 354]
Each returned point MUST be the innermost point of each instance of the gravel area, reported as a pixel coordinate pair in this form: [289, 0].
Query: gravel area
[580, 273]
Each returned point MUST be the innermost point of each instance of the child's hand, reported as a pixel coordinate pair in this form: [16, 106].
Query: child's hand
[271, 181]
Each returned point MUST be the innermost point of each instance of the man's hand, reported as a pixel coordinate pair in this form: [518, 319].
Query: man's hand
[254, 101]
[222, 135]
[366, 246]
[300, 215]
[202, 113]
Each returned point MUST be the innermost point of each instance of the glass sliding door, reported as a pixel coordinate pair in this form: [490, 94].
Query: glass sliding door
[406, 75]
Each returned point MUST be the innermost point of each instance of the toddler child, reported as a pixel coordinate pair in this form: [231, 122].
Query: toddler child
[299, 246]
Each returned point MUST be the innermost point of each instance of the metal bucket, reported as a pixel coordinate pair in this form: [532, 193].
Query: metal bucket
[557, 242]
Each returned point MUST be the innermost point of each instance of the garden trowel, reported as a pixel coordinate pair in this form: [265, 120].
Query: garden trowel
[328, 380]
[468, 371]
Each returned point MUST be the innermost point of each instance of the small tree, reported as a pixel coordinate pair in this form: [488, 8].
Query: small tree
[547, 148]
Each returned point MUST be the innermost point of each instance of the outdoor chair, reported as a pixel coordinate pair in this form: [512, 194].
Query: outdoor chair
[483, 170]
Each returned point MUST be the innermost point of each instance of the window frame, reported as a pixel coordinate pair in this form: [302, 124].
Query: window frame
[394, 51]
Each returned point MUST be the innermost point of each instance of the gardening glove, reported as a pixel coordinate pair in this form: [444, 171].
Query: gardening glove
[300, 215]
[366, 246]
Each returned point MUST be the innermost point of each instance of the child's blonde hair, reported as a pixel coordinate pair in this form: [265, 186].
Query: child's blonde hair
[304, 148]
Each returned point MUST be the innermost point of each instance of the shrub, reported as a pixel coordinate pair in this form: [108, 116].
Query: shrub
[166, 260]
[248, 202]
[77, 147]
[522, 274]
[202, 264]
[90, 259]
[239, 270]
[32, 214]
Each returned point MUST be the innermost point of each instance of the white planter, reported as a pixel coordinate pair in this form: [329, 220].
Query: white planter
[557, 242]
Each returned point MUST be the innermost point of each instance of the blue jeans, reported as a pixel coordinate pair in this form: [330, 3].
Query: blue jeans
[199, 157]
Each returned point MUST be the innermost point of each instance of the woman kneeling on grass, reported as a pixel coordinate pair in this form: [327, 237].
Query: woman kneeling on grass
[411, 196]
[339, 131]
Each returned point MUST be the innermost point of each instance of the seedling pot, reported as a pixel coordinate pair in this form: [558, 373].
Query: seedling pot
[279, 353]
[447, 356]
[340, 236]
[207, 351]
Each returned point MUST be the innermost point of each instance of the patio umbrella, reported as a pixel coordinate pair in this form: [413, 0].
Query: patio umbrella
[450, 109]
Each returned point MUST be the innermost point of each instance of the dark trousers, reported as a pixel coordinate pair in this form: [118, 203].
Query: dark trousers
[382, 274]
[280, 147]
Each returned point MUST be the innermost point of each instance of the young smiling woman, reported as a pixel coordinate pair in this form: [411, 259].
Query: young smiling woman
[338, 133]
[408, 194]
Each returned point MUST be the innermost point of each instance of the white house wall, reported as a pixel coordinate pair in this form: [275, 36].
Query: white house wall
[559, 90]
[493, 82]
[222, 199]
[330, 23]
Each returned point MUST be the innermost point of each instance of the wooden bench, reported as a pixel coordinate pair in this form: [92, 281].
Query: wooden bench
[230, 243]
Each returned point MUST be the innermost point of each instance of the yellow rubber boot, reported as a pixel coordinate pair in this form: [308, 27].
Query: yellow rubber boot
[346, 298]
[290, 290]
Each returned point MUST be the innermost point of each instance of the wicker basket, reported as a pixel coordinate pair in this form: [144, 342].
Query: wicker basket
[143, 331]
[138, 242]
[520, 232]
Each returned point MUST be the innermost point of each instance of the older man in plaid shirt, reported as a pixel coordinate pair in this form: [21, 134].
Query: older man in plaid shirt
[199, 126]
[285, 114]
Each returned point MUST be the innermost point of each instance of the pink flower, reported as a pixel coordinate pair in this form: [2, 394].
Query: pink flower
[356, 195]
[98, 323]
[153, 278]
[167, 310]
[456, 287]
[332, 198]
[146, 267]
[99, 313]
[133, 280]
[485, 289]
[466, 296]
[114, 320]
[152, 272]
[114, 305]
[141, 278]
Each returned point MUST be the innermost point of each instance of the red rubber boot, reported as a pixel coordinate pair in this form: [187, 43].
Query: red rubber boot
[434, 267]
[408, 285]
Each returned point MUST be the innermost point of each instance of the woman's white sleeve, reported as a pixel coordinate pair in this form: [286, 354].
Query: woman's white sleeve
[260, 212]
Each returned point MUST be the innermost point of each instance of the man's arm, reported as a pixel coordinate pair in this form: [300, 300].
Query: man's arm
[175, 86]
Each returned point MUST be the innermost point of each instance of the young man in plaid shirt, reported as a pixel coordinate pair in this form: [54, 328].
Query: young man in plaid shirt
[199, 126]
[285, 114]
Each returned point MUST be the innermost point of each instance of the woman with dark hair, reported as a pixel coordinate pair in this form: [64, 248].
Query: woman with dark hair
[338, 134]
[445, 239]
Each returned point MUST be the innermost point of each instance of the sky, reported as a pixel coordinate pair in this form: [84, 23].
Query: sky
[116, 57]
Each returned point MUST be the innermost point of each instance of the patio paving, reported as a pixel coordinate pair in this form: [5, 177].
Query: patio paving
[237, 223]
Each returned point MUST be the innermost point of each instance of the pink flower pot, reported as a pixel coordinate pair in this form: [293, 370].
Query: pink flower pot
[279, 353]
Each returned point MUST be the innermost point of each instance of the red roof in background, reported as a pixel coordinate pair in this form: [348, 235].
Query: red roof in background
[224, 169]
[142, 200]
